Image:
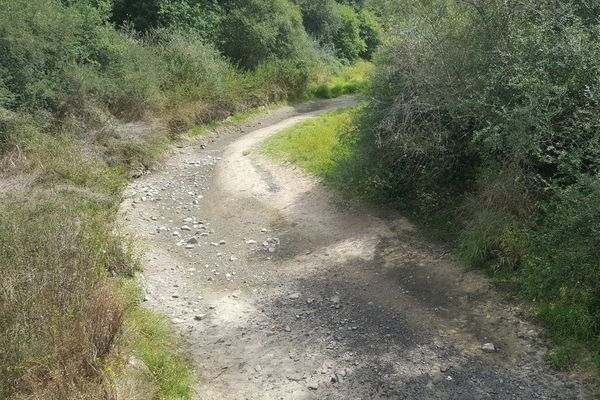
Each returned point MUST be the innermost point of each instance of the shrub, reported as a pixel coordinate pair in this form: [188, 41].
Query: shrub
[258, 30]
[194, 70]
[348, 42]
[498, 100]
[561, 267]
[322, 19]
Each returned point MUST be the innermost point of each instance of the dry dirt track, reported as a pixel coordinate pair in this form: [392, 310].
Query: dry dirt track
[282, 291]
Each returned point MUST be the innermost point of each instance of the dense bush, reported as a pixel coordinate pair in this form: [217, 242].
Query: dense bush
[498, 99]
[143, 14]
[259, 30]
[349, 29]
[321, 19]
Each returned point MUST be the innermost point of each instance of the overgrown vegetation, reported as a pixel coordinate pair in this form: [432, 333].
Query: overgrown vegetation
[350, 80]
[485, 120]
[71, 72]
[57, 248]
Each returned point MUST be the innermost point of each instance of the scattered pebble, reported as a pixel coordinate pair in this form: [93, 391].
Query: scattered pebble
[488, 348]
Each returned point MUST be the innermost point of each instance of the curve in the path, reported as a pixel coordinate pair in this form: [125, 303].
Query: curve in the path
[283, 291]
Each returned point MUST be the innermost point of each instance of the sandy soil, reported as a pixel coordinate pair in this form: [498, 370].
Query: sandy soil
[281, 290]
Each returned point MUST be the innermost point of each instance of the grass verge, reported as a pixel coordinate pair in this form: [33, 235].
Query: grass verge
[64, 317]
[311, 144]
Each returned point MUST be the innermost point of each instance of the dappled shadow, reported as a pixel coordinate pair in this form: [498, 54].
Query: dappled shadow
[388, 352]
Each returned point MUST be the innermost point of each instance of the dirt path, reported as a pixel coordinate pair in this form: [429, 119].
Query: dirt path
[282, 291]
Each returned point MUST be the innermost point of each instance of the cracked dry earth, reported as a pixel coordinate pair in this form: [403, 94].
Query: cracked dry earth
[281, 290]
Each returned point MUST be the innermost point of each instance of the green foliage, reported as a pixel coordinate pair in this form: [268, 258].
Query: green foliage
[142, 14]
[279, 79]
[349, 29]
[322, 20]
[259, 30]
[350, 80]
[560, 268]
[348, 43]
[370, 31]
[486, 239]
[498, 100]
[195, 70]
[94, 70]
[565, 355]
[35, 65]
[202, 17]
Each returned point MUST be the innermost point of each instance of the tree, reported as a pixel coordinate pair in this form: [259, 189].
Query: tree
[321, 19]
[258, 30]
[348, 42]
[143, 14]
[370, 32]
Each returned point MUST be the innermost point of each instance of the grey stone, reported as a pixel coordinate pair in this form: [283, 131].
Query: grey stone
[488, 348]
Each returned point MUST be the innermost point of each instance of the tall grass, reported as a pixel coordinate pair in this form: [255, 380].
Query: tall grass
[62, 269]
[57, 250]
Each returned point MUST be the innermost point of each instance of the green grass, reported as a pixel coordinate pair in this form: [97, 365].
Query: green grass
[203, 129]
[149, 337]
[152, 341]
[350, 80]
[310, 144]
